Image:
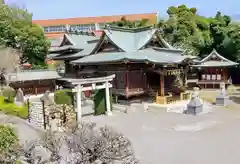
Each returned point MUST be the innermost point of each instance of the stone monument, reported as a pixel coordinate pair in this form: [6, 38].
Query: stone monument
[19, 99]
[195, 105]
[47, 99]
[222, 99]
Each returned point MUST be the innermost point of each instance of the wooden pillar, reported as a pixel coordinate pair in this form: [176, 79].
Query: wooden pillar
[35, 87]
[108, 103]
[185, 71]
[126, 82]
[54, 85]
[162, 90]
[225, 75]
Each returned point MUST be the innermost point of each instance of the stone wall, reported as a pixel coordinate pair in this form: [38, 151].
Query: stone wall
[36, 114]
[63, 115]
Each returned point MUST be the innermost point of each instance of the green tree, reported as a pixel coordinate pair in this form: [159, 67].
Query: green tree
[185, 29]
[199, 35]
[225, 37]
[130, 24]
[17, 31]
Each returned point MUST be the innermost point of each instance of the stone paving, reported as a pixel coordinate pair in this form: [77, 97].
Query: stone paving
[172, 138]
[161, 137]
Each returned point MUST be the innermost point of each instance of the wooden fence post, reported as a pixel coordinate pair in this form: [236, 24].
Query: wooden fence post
[44, 116]
[28, 107]
[64, 114]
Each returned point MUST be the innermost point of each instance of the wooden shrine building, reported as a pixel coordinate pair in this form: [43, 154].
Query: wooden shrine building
[141, 59]
[32, 82]
[73, 45]
[213, 70]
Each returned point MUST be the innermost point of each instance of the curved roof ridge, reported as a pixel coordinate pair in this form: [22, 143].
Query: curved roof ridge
[214, 52]
[130, 39]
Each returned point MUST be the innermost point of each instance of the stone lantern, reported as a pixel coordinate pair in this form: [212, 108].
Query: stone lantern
[222, 99]
[195, 105]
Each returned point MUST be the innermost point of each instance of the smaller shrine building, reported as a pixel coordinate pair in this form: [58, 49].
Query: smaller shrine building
[214, 70]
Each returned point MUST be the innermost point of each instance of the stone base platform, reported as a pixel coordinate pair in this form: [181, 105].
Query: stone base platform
[178, 107]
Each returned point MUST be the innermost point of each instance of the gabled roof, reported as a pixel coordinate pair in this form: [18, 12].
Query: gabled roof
[55, 42]
[131, 39]
[214, 59]
[101, 19]
[132, 44]
[159, 56]
[81, 44]
[29, 75]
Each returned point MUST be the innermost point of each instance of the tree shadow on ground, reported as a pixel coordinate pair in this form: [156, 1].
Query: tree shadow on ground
[235, 99]
[137, 99]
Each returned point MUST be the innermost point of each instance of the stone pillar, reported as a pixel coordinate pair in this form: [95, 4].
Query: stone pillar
[108, 103]
[222, 99]
[79, 102]
[195, 105]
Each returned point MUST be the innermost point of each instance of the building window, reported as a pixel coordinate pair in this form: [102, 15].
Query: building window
[45, 29]
[83, 27]
[54, 29]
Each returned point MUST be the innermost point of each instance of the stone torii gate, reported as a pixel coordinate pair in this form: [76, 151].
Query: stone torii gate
[97, 83]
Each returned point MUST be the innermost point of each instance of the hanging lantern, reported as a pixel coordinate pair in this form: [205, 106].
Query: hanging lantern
[51, 62]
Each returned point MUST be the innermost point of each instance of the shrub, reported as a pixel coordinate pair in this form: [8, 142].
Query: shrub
[13, 109]
[9, 94]
[64, 96]
[100, 102]
[9, 145]
[8, 137]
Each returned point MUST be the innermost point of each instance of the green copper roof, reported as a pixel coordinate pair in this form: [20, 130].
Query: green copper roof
[214, 59]
[215, 64]
[160, 56]
[64, 48]
[80, 40]
[82, 44]
[132, 39]
[127, 40]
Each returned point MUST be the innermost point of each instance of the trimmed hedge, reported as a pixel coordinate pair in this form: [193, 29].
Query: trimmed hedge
[64, 96]
[12, 109]
[100, 106]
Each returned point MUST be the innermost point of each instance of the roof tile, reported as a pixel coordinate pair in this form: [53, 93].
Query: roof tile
[101, 19]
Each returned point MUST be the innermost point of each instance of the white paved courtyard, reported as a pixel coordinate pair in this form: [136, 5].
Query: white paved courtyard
[170, 138]
[159, 137]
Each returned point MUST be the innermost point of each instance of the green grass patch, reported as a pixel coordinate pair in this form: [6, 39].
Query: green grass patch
[12, 109]
[208, 96]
